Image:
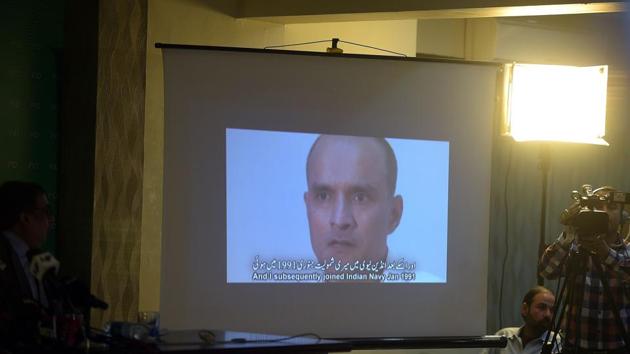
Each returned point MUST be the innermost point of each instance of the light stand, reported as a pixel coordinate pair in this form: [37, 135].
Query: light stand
[545, 162]
[548, 103]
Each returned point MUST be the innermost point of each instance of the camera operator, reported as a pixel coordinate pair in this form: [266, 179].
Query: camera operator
[607, 263]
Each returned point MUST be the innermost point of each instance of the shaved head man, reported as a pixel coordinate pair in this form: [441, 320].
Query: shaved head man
[351, 203]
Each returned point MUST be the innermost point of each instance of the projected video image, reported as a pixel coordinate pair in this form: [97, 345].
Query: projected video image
[311, 208]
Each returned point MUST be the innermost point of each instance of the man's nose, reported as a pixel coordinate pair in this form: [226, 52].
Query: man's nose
[342, 217]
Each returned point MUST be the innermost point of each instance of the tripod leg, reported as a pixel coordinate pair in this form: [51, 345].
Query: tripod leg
[573, 315]
[556, 320]
[571, 271]
[579, 302]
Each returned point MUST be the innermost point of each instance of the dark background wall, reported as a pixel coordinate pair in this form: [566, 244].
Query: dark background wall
[31, 33]
[48, 94]
[77, 122]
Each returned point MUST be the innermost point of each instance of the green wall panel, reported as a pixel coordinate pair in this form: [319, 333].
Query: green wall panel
[31, 33]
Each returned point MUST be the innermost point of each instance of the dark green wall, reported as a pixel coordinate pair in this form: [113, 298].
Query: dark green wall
[48, 111]
[31, 36]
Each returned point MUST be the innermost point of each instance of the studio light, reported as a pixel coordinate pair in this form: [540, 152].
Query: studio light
[556, 103]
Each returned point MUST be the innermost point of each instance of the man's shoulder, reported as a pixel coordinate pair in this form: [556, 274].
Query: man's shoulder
[508, 331]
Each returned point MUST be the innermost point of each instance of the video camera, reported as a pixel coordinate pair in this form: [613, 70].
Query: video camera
[590, 219]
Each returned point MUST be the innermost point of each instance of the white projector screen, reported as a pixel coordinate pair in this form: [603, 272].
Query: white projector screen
[345, 196]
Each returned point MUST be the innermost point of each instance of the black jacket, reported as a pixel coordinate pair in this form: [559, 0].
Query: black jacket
[19, 313]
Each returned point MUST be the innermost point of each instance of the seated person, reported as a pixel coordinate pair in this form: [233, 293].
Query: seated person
[24, 223]
[537, 312]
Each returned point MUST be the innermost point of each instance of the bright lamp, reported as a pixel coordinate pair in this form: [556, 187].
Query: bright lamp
[556, 103]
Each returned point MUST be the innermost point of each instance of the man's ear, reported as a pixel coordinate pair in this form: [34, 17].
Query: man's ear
[396, 213]
[524, 309]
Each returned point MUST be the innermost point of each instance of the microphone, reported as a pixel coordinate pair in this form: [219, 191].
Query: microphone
[81, 296]
[44, 267]
[42, 264]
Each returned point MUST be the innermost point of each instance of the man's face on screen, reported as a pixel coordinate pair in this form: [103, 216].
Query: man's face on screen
[350, 206]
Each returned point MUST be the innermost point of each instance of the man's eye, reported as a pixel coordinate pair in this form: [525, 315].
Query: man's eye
[322, 195]
[543, 307]
[360, 197]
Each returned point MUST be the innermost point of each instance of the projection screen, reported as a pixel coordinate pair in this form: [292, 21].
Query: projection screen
[346, 196]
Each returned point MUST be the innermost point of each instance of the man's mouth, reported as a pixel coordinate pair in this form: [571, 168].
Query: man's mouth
[340, 244]
[546, 323]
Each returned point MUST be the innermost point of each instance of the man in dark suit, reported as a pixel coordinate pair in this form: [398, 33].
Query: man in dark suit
[25, 219]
